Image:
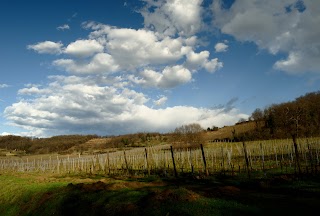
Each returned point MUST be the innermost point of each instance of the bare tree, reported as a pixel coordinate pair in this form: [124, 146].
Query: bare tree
[189, 135]
[257, 117]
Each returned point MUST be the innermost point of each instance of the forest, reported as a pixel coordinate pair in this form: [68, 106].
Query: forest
[299, 118]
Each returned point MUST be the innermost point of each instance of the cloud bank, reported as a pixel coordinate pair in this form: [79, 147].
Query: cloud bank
[71, 104]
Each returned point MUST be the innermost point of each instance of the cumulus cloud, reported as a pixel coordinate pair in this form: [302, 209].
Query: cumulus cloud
[100, 63]
[172, 17]
[161, 101]
[83, 48]
[63, 27]
[195, 60]
[135, 48]
[277, 26]
[111, 49]
[201, 60]
[213, 65]
[79, 48]
[32, 91]
[170, 77]
[221, 47]
[69, 106]
[47, 47]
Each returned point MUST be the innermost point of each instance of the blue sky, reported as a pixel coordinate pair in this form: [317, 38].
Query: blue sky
[115, 67]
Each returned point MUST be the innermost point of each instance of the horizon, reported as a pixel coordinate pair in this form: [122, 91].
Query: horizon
[122, 67]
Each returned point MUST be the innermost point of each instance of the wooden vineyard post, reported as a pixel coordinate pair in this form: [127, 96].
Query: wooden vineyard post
[148, 168]
[317, 157]
[204, 160]
[262, 155]
[28, 164]
[246, 158]
[174, 164]
[50, 164]
[276, 155]
[108, 160]
[180, 160]
[310, 156]
[191, 164]
[222, 163]
[125, 160]
[58, 165]
[296, 154]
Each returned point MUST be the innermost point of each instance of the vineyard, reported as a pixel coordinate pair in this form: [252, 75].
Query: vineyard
[228, 158]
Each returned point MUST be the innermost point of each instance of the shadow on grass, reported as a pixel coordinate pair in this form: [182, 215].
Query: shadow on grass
[186, 195]
[105, 199]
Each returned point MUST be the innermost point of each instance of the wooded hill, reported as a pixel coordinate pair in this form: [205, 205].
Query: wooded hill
[68, 144]
[42, 145]
[300, 118]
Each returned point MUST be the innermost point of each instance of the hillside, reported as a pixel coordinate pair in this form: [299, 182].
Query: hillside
[228, 132]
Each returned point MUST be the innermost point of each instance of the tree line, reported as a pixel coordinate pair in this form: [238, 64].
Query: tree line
[69, 143]
[43, 145]
[298, 118]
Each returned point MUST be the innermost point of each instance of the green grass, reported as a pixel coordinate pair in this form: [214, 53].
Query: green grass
[17, 194]
[26, 194]
[178, 202]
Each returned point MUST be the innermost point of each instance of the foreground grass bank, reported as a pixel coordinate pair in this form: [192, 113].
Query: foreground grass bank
[26, 194]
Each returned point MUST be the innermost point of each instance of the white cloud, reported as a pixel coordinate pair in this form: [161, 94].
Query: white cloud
[221, 47]
[129, 50]
[73, 105]
[173, 16]
[82, 105]
[32, 91]
[200, 60]
[170, 77]
[296, 63]
[83, 48]
[213, 65]
[161, 101]
[173, 76]
[100, 63]
[63, 27]
[136, 48]
[278, 26]
[196, 60]
[47, 47]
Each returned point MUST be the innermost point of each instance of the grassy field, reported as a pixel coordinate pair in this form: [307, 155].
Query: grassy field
[141, 181]
[29, 194]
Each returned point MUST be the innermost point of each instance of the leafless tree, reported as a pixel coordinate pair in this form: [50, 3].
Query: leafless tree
[190, 135]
